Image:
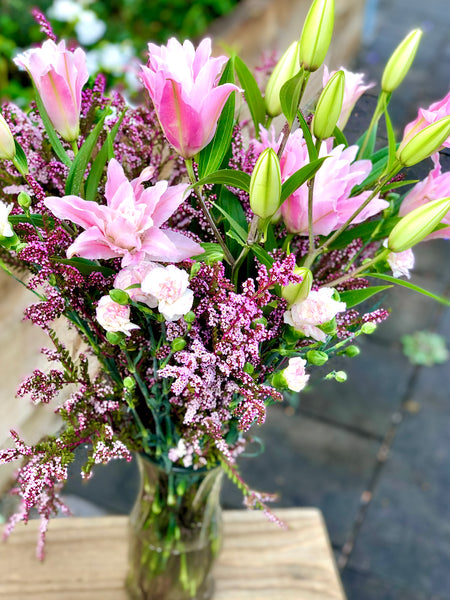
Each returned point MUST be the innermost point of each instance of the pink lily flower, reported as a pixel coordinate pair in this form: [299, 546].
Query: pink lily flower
[334, 182]
[436, 185]
[429, 115]
[354, 88]
[59, 76]
[182, 83]
[129, 224]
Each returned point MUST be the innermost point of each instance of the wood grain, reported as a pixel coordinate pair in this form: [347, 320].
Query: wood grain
[86, 560]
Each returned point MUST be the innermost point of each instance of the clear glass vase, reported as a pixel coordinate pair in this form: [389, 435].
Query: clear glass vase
[175, 533]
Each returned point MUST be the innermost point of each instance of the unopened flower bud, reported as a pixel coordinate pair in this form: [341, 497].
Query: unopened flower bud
[413, 150]
[316, 357]
[119, 296]
[296, 292]
[417, 224]
[7, 146]
[329, 107]
[178, 344]
[265, 185]
[400, 62]
[316, 34]
[249, 368]
[129, 383]
[368, 328]
[340, 376]
[286, 68]
[259, 321]
[352, 351]
[24, 200]
[114, 337]
[189, 317]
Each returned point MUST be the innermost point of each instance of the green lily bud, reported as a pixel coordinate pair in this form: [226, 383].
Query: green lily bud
[286, 68]
[400, 62]
[265, 185]
[7, 145]
[316, 357]
[119, 296]
[316, 34]
[329, 107]
[413, 150]
[178, 344]
[417, 224]
[295, 292]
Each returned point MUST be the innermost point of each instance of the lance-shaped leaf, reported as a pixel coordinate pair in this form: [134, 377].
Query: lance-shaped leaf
[212, 156]
[411, 286]
[355, 297]
[237, 179]
[51, 132]
[290, 95]
[252, 93]
[298, 178]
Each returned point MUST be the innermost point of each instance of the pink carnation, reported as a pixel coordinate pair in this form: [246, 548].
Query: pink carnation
[114, 317]
[133, 275]
[401, 263]
[129, 225]
[295, 374]
[169, 286]
[317, 309]
[429, 115]
[436, 185]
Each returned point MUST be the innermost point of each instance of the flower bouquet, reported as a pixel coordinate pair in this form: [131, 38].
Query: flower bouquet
[207, 262]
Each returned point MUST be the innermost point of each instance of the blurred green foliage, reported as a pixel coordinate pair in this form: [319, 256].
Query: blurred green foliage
[135, 21]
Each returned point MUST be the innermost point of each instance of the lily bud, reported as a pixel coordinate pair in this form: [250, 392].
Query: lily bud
[316, 34]
[329, 107]
[296, 292]
[417, 224]
[413, 150]
[400, 62]
[7, 146]
[265, 185]
[286, 68]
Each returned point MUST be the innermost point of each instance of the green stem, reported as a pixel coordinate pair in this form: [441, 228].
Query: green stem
[190, 169]
[382, 256]
[311, 257]
[74, 147]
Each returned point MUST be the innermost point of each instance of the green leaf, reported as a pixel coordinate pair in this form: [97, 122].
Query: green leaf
[290, 96]
[365, 231]
[77, 170]
[411, 286]
[36, 220]
[399, 184]
[84, 265]
[261, 254]
[370, 144]
[391, 140]
[242, 233]
[20, 159]
[51, 133]
[234, 236]
[212, 253]
[105, 154]
[339, 137]
[233, 206]
[237, 179]
[354, 297]
[212, 156]
[299, 178]
[252, 93]
[312, 150]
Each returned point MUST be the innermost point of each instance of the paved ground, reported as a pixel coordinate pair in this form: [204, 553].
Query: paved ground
[374, 453]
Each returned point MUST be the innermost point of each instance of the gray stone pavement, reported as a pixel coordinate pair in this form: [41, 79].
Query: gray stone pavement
[373, 454]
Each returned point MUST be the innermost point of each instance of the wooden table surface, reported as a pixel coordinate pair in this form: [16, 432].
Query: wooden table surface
[86, 559]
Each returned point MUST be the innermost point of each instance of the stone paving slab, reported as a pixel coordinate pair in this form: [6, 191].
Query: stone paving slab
[377, 382]
[310, 463]
[361, 586]
[405, 538]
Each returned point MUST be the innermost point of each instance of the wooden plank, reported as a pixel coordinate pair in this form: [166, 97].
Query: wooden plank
[86, 559]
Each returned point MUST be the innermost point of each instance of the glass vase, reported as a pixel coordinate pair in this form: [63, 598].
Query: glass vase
[175, 533]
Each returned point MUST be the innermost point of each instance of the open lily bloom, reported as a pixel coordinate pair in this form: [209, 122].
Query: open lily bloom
[129, 225]
[182, 83]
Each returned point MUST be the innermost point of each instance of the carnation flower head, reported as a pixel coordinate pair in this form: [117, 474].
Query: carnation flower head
[114, 317]
[5, 226]
[295, 374]
[169, 286]
[317, 309]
